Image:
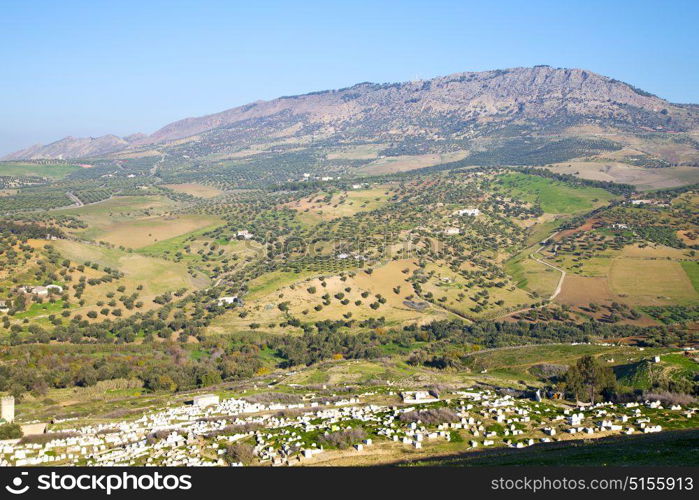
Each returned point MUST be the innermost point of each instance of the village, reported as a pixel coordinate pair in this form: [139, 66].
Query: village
[200, 432]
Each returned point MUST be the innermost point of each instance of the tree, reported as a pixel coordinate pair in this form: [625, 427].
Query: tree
[10, 431]
[588, 379]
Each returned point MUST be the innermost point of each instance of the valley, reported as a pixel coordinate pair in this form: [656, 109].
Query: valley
[515, 265]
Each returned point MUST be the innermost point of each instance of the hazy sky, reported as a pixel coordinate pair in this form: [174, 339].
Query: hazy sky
[87, 68]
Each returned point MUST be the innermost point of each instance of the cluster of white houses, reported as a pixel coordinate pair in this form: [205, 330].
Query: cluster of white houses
[40, 291]
[35, 290]
[198, 434]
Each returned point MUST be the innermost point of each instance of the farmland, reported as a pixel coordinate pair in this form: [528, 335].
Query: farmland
[199, 190]
[146, 293]
[31, 169]
[554, 197]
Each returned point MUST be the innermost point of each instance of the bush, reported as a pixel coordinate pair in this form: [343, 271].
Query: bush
[10, 431]
[434, 416]
[45, 438]
[240, 453]
[670, 398]
[343, 439]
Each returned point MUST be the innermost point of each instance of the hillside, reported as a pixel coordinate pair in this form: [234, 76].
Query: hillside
[74, 147]
[459, 112]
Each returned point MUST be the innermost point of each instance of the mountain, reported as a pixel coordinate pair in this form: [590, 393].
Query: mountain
[420, 116]
[76, 147]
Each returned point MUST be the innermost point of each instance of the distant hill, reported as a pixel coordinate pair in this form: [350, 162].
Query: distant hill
[442, 114]
[75, 147]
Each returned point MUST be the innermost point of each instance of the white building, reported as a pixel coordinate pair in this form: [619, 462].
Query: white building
[452, 230]
[7, 408]
[416, 397]
[471, 212]
[41, 291]
[232, 299]
[245, 234]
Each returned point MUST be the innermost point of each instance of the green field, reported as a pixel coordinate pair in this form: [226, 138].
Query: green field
[20, 169]
[692, 270]
[554, 197]
[267, 283]
[531, 275]
[155, 275]
[174, 244]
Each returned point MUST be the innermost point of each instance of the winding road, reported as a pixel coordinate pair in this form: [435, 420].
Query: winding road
[541, 261]
[74, 199]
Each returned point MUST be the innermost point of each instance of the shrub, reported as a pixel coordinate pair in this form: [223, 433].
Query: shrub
[670, 398]
[240, 453]
[45, 438]
[10, 431]
[343, 439]
[433, 416]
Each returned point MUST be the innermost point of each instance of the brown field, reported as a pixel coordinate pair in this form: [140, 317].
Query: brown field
[138, 233]
[362, 152]
[642, 178]
[199, 190]
[584, 289]
[651, 282]
[653, 252]
[265, 296]
[569, 232]
[313, 209]
[393, 164]
[689, 237]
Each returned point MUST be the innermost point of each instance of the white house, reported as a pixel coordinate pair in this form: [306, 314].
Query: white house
[471, 212]
[231, 299]
[246, 235]
[452, 230]
[41, 291]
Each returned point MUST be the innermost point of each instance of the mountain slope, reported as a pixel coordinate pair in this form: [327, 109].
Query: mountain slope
[74, 147]
[529, 93]
[455, 108]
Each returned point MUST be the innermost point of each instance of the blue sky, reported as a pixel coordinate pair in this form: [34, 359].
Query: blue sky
[93, 67]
